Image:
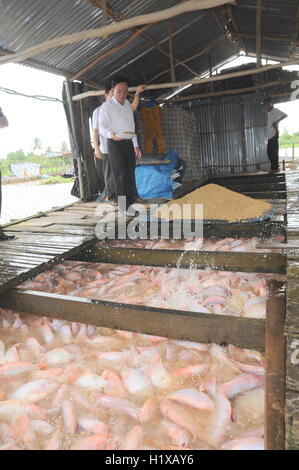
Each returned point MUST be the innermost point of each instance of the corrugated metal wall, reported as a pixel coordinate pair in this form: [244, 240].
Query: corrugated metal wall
[231, 135]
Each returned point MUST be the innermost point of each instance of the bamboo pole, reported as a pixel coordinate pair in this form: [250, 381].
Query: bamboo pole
[172, 71]
[258, 33]
[236, 29]
[271, 38]
[198, 81]
[235, 91]
[104, 12]
[190, 5]
[110, 52]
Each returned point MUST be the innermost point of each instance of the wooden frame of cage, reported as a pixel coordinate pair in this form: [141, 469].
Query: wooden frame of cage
[266, 335]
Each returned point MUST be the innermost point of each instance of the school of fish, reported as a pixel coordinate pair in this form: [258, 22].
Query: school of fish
[199, 244]
[203, 291]
[68, 385]
[73, 386]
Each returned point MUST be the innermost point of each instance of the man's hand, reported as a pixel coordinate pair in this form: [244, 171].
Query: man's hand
[140, 89]
[137, 152]
[113, 136]
[97, 153]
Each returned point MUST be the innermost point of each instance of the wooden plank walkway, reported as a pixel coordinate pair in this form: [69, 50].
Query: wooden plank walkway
[49, 239]
[46, 240]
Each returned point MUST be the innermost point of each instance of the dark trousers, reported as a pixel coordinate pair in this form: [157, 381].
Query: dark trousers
[0, 200]
[122, 160]
[272, 151]
[104, 172]
[108, 176]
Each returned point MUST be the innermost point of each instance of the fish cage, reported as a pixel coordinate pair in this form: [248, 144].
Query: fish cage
[260, 252]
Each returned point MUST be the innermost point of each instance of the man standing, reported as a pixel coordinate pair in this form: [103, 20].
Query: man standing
[100, 144]
[274, 117]
[101, 152]
[116, 122]
[3, 123]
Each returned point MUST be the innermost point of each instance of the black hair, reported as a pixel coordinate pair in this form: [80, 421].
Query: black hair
[267, 99]
[107, 88]
[118, 79]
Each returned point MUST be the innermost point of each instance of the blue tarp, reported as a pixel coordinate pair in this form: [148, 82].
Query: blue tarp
[154, 181]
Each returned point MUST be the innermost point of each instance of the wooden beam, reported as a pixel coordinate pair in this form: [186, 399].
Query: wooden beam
[258, 33]
[297, 24]
[243, 332]
[235, 91]
[110, 52]
[225, 261]
[190, 5]
[222, 29]
[104, 12]
[236, 29]
[199, 80]
[271, 38]
[275, 357]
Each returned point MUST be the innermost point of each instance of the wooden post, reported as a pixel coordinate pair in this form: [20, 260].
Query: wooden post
[73, 128]
[292, 317]
[172, 71]
[258, 33]
[243, 136]
[275, 373]
[104, 12]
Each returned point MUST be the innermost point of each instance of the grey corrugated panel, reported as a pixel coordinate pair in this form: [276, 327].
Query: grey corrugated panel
[220, 127]
[141, 57]
[27, 22]
[277, 17]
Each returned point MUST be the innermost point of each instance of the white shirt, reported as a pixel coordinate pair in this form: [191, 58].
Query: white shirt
[116, 117]
[95, 125]
[273, 116]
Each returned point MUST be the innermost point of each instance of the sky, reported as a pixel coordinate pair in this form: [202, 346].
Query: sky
[29, 118]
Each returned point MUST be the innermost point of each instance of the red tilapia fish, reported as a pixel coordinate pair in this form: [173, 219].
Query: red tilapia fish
[203, 291]
[66, 385]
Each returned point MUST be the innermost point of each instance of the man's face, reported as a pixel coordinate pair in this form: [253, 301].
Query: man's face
[268, 107]
[121, 92]
[109, 95]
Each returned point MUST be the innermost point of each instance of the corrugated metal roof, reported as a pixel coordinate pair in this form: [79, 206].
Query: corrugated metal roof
[29, 22]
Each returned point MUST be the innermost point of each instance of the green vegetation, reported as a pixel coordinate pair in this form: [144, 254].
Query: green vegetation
[56, 180]
[48, 165]
[288, 140]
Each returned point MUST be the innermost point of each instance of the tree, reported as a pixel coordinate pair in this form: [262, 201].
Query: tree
[48, 150]
[37, 145]
[64, 147]
[17, 156]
